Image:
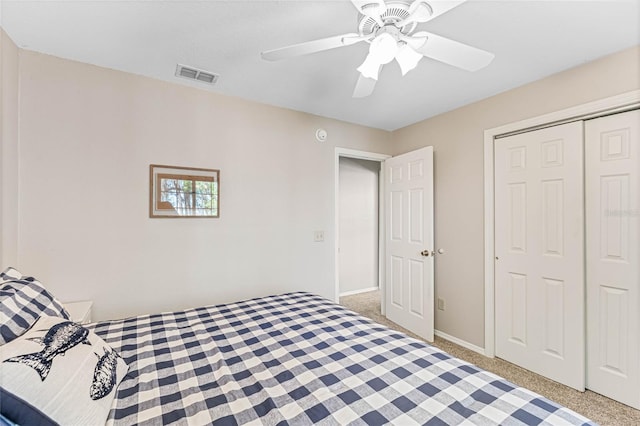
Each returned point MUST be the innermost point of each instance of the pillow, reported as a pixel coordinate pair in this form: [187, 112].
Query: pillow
[16, 411]
[62, 371]
[10, 274]
[22, 300]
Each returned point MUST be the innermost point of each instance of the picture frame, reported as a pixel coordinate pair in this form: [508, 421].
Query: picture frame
[183, 192]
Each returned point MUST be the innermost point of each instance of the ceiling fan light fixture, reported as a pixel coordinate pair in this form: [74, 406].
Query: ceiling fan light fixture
[407, 58]
[370, 67]
[384, 48]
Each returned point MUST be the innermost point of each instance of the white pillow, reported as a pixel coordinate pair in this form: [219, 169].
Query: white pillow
[63, 370]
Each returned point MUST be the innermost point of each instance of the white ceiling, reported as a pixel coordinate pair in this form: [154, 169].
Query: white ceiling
[531, 39]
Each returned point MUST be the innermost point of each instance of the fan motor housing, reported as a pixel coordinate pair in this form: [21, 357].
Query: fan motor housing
[397, 10]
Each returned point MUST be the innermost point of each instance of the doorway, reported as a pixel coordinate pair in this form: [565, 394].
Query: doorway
[359, 225]
[405, 237]
[359, 170]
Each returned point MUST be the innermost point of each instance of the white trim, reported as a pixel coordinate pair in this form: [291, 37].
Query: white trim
[362, 290]
[459, 342]
[382, 263]
[595, 108]
[599, 107]
[362, 155]
[489, 247]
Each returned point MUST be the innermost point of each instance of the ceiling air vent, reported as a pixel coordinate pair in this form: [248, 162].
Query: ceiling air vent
[196, 74]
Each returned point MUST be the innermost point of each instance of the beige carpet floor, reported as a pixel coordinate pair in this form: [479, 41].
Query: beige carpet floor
[590, 404]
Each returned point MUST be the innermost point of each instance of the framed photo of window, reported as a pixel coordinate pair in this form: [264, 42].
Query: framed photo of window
[181, 192]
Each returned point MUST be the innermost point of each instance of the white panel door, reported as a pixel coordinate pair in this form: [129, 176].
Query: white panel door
[409, 241]
[539, 282]
[612, 156]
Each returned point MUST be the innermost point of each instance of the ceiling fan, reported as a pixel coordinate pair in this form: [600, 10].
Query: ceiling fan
[390, 29]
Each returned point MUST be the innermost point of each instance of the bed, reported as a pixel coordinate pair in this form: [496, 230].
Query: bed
[295, 358]
[300, 359]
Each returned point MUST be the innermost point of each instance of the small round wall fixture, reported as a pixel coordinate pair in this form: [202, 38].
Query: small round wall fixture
[321, 135]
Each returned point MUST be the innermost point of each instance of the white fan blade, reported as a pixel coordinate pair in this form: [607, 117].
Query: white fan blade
[371, 8]
[312, 46]
[422, 11]
[415, 42]
[453, 52]
[364, 87]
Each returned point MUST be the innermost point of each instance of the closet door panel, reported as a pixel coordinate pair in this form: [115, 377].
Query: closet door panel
[612, 155]
[539, 292]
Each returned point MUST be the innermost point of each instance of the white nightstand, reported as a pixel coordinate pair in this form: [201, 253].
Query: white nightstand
[80, 311]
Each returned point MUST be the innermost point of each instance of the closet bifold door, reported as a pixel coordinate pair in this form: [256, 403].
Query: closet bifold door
[539, 246]
[612, 159]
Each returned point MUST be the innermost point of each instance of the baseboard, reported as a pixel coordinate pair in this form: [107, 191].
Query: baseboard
[460, 342]
[362, 290]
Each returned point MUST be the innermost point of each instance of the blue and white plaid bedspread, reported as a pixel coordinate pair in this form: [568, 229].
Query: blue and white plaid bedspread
[300, 359]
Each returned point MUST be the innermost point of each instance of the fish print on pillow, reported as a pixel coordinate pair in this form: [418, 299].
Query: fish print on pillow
[63, 370]
[104, 376]
[59, 339]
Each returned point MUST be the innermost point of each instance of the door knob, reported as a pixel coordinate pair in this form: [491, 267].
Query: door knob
[425, 253]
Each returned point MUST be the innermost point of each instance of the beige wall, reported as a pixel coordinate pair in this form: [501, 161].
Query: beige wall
[457, 138]
[88, 135]
[8, 150]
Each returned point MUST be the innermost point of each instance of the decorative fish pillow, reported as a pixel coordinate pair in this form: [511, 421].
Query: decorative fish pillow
[63, 370]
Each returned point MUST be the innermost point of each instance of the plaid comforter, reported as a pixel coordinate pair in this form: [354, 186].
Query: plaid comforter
[300, 359]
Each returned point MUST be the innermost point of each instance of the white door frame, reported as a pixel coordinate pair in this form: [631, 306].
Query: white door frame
[361, 155]
[593, 109]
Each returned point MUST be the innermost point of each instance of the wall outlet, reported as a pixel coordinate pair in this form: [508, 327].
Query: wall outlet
[440, 304]
[318, 236]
